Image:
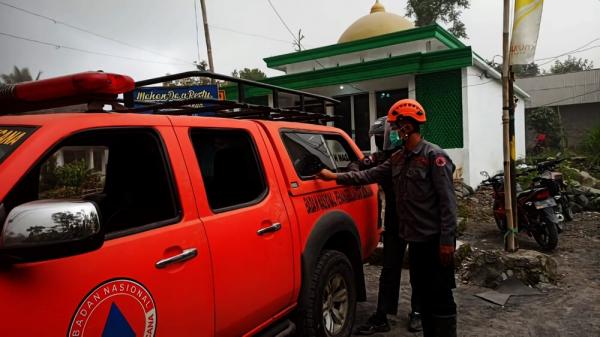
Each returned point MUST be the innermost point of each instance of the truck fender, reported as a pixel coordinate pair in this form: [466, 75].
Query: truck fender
[334, 224]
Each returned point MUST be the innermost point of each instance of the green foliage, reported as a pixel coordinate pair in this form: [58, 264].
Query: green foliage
[427, 12]
[571, 64]
[18, 76]
[520, 70]
[526, 70]
[591, 145]
[73, 174]
[68, 181]
[547, 121]
[463, 213]
[253, 74]
[525, 179]
[202, 66]
[191, 81]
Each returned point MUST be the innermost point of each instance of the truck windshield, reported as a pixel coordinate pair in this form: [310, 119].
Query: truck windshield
[11, 137]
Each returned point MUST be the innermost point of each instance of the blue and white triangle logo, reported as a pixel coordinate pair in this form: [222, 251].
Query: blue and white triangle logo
[116, 324]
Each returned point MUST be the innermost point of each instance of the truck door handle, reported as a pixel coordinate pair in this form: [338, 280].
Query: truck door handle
[186, 255]
[273, 228]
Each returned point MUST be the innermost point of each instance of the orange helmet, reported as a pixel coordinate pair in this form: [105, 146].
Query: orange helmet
[407, 108]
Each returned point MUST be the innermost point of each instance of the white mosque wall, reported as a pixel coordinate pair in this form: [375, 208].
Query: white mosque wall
[482, 118]
[483, 124]
[420, 46]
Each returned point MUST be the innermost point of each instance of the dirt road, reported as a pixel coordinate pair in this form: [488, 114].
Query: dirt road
[570, 308]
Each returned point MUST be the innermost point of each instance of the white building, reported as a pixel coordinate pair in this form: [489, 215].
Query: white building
[382, 58]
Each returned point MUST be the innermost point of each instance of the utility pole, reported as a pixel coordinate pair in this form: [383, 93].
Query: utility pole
[507, 103]
[207, 37]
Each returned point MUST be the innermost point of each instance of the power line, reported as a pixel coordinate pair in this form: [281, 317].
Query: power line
[556, 58]
[250, 34]
[574, 51]
[55, 21]
[282, 21]
[568, 98]
[300, 44]
[58, 46]
[569, 52]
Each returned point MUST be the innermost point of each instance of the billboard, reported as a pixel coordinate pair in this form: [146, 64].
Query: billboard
[157, 95]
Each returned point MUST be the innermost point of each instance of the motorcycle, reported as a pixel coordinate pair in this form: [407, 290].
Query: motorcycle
[554, 182]
[535, 211]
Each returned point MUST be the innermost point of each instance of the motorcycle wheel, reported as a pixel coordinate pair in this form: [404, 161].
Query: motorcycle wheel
[501, 224]
[566, 210]
[547, 233]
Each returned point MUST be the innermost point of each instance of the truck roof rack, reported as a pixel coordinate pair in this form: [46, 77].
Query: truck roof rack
[97, 89]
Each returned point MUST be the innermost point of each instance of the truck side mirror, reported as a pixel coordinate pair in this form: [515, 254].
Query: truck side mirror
[48, 229]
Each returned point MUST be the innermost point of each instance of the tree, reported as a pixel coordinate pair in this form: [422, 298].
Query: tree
[427, 12]
[202, 66]
[571, 64]
[253, 74]
[547, 121]
[520, 70]
[526, 70]
[18, 76]
[191, 81]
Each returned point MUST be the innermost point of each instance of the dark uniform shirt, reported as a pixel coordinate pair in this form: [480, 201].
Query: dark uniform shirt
[391, 218]
[422, 181]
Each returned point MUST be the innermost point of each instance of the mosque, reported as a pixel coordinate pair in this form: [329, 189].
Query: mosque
[381, 58]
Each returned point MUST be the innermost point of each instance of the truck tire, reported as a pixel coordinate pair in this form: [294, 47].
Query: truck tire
[330, 304]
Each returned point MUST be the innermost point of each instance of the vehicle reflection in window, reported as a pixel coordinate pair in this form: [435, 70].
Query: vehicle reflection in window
[308, 153]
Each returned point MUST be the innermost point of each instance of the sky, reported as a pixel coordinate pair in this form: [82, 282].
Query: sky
[151, 38]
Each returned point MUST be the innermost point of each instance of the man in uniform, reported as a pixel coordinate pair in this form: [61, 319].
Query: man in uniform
[421, 175]
[393, 245]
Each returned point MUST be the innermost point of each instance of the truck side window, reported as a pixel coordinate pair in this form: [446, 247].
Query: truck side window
[340, 150]
[123, 171]
[306, 148]
[231, 169]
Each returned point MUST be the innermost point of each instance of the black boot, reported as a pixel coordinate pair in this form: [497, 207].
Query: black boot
[376, 323]
[444, 326]
[414, 322]
[427, 325]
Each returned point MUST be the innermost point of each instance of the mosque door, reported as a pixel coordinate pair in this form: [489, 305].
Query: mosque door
[362, 122]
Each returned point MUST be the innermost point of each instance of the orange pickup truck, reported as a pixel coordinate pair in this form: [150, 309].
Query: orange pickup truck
[121, 223]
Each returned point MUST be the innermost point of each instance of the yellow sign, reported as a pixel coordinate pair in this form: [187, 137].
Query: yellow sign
[10, 137]
[526, 28]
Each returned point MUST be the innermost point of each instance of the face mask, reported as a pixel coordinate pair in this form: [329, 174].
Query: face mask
[395, 139]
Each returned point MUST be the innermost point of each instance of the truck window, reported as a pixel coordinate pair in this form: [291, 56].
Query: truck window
[73, 172]
[230, 166]
[306, 148]
[123, 171]
[341, 152]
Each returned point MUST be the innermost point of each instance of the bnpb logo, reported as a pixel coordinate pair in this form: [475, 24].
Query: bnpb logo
[116, 308]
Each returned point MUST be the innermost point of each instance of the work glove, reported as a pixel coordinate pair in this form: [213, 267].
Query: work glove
[447, 255]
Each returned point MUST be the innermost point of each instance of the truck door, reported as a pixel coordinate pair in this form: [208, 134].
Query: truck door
[246, 223]
[151, 276]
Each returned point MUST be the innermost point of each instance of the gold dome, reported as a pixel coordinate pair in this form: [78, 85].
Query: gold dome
[378, 22]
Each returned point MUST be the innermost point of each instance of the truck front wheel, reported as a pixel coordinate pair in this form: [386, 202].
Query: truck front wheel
[330, 305]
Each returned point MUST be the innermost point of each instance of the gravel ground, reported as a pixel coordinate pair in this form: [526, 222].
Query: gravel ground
[569, 308]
